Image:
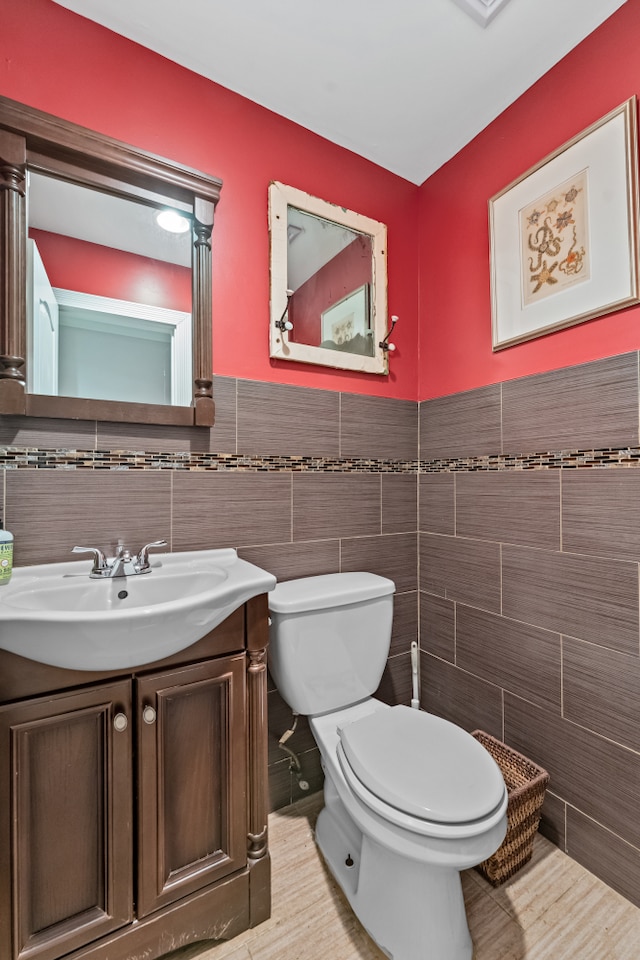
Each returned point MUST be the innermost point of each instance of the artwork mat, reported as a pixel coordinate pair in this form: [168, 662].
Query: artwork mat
[608, 151]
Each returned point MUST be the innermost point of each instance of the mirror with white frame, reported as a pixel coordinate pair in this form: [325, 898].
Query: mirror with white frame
[328, 283]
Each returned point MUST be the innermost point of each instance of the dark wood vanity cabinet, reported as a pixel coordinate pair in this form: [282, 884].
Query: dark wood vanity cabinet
[191, 780]
[133, 803]
[67, 801]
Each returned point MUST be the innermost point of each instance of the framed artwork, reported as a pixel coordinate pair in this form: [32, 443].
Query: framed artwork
[563, 237]
[346, 326]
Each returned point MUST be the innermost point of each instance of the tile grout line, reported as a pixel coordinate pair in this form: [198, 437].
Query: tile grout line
[561, 518]
[235, 397]
[455, 505]
[291, 508]
[562, 677]
[455, 633]
[171, 493]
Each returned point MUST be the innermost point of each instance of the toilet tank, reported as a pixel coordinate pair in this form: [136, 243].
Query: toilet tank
[329, 639]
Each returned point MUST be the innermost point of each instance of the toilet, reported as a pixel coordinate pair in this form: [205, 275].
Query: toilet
[410, 799]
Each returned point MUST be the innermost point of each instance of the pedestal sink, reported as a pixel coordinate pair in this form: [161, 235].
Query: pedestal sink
[53, 613]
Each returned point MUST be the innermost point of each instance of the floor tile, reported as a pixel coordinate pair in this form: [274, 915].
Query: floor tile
[552, 909]
[526, 896]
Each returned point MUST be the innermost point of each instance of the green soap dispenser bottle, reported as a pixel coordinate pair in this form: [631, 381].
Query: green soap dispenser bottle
[6, 556]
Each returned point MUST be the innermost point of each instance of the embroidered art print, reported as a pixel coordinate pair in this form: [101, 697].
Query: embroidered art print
[563, 236]
[554, 237]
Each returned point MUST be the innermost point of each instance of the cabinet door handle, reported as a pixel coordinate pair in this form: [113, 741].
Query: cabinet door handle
[149, 715]
[120, 722]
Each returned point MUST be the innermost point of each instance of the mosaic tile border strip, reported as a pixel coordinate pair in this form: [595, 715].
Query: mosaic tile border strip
[554, 460]
[32, 458]
[20, 458]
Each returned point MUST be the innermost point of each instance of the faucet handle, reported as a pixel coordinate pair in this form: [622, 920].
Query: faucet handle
[142, 560]
[99, 558]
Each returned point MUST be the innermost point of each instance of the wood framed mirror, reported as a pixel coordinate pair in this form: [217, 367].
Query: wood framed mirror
[73, 203]
[328, 283]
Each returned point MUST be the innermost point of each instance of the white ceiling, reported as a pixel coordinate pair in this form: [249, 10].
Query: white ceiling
[96, 217]
[404, 83]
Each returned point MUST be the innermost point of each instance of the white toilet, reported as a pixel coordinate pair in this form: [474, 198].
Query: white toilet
[410, 799]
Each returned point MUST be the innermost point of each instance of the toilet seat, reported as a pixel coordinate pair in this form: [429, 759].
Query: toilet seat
[420, 771]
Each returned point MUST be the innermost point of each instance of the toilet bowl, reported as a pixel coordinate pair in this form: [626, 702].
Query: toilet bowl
[410, 799]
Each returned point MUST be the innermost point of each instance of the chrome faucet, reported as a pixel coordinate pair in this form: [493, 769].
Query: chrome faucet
[123, 564]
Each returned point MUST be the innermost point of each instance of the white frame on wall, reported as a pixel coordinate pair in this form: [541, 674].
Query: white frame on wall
[281, 347]
[606, 156]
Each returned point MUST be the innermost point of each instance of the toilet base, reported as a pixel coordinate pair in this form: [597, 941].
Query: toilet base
[412, 911]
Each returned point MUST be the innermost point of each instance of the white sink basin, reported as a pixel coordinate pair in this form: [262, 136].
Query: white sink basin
[55, 614]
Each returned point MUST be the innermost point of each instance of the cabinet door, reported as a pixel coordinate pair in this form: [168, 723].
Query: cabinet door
[65, 821]
[192, 779]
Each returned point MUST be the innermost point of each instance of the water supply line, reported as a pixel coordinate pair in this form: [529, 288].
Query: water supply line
[294, 763]
[415, 696]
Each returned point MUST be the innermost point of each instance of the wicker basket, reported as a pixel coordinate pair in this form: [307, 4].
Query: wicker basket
[526, 785]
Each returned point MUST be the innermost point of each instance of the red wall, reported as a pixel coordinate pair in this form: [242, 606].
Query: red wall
[455, 310]
[59, 62]
[73, 264]
[438, 253]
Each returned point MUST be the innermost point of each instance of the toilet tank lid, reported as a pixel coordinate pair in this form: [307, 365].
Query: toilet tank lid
[328, 590]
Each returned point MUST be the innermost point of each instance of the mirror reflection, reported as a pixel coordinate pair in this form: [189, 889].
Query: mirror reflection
[328, 283]
[108, 297]
[139, 303]
[329, 270]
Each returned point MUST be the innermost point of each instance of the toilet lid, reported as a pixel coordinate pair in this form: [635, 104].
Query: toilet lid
[423, 765]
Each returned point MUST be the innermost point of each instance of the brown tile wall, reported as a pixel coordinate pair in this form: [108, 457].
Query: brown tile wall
[528, 575]
[290, 520]
[508, 516]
